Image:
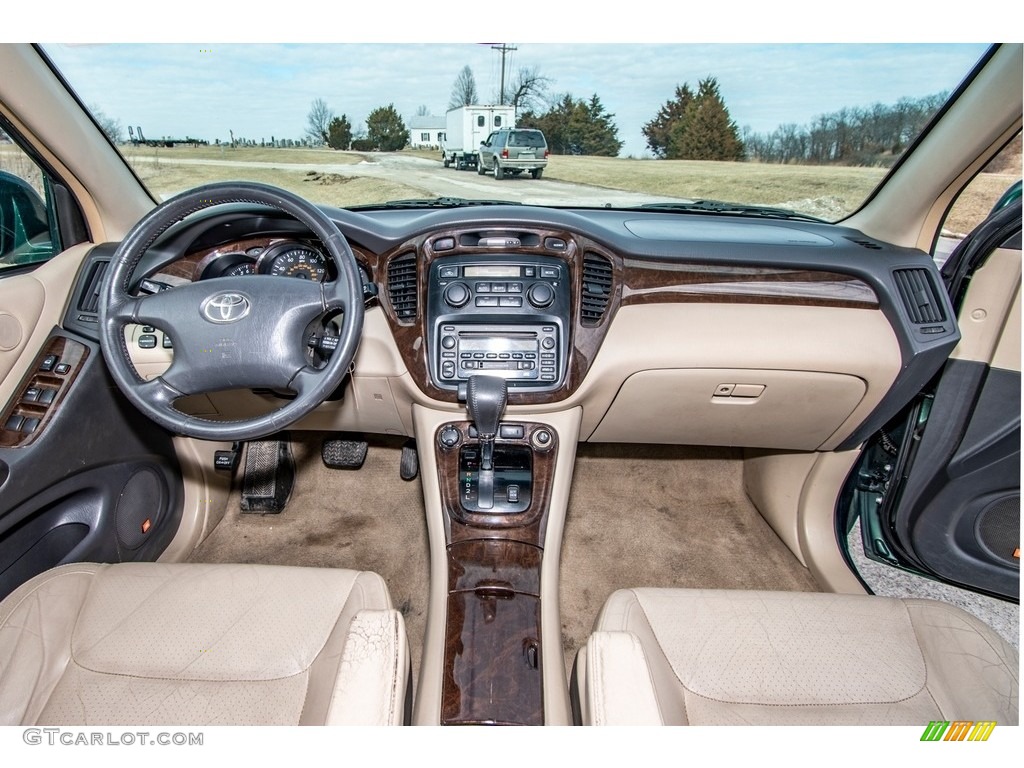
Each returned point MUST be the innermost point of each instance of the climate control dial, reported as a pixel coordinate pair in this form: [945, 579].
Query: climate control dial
[456, 295]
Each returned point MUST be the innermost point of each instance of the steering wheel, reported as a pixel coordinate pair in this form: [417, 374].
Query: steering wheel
[232, 332]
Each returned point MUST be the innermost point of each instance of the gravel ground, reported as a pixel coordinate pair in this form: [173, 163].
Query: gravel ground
[1002, 616]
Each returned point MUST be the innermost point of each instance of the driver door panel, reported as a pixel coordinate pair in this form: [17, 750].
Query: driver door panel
[91, 479]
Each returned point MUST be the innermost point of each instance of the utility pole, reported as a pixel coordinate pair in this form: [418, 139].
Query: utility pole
[505, 50]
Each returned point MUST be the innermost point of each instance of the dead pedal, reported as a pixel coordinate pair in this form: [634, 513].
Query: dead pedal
[410, 464]
[343, 454]
[268, 477]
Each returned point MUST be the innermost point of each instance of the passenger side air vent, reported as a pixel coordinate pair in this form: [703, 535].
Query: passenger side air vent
[919, 296]
[597, 288]
[403, 290]
[89, 298]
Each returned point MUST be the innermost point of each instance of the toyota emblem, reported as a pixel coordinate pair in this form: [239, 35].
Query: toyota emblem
[226, 307]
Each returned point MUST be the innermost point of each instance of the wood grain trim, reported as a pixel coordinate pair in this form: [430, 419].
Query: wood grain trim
[494, 564]
[492, 665]
[660, 283]
[68, 352]
[412, 337]
[526, 527]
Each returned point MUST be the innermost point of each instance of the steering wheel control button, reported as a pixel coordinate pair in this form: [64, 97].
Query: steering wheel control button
[147, 341]
[226, 307]
[167, 342]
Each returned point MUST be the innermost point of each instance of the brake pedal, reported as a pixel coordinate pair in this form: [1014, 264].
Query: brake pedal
[410, 465]
[343, 454]
[269, 476]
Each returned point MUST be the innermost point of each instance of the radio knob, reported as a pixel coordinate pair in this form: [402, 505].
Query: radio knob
[456, 294]
[448, 342]
[540, 295]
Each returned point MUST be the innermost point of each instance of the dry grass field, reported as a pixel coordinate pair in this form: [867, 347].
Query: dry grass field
[828, 192]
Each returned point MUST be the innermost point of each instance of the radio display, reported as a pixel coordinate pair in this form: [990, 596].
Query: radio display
[492, 270]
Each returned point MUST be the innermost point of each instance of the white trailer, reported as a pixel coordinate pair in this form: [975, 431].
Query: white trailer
[466, 127]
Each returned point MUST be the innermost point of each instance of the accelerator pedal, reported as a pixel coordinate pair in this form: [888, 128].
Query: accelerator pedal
[410, 466]
[343, 454]
[269, 476]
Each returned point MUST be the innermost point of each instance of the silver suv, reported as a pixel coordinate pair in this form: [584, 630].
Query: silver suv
[512, 151]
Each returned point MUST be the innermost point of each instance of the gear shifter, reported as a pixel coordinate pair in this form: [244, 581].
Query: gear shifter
[486, 398]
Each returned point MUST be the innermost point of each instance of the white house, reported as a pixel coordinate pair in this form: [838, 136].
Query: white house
[426, 131]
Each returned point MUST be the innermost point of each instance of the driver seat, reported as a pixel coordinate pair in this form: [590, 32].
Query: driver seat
[197, 644]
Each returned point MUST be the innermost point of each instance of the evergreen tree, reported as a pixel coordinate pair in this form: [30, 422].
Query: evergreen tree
[706, 132]
[576, 127]
[659, 130]
[339, 133]
[385, 129]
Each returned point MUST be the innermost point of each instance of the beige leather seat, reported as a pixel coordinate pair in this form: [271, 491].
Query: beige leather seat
[709, 657]
[151, 643]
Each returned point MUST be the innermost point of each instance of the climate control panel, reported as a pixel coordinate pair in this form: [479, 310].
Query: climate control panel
[499, 315]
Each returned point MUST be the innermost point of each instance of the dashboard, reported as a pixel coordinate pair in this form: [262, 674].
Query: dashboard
[662, 327]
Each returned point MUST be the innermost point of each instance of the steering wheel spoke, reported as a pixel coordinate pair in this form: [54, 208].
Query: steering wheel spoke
[232, 332]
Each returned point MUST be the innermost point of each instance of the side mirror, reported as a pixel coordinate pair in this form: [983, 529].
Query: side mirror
[23, 220]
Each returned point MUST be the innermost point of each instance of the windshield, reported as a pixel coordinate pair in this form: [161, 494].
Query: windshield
[807, 128]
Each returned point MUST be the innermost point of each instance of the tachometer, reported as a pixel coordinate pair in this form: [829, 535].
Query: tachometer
[299, 261]
[227, 265]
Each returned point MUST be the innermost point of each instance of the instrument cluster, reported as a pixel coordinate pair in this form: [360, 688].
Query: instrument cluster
[289, 258]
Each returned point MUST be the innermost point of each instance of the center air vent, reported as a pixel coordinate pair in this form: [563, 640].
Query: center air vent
[919, 296]
[597, 288]
[402, 287]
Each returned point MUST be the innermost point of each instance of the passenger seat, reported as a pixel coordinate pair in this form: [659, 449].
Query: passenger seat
[718, 657]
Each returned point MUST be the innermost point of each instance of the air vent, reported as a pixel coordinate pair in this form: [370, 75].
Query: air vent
[89, 299]
[597, 288]
[865, 243]
[402, 286]
[919, 296]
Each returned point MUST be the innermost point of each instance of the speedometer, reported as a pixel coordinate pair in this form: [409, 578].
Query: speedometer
[299, 261]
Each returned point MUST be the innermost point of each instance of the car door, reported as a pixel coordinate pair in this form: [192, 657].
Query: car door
[487, 149]
[937, 490]
[82, 475]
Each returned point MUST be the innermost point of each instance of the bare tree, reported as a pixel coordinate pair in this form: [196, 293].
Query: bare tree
[319, 119]
[463, 89]
[109, 125]
[422, 110]
[527, 89]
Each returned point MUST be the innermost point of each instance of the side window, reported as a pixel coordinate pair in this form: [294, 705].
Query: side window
[497, 121]
[481, 121]
[998, 184]
[28, 231]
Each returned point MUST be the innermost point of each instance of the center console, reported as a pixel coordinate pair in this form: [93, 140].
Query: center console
[499, 315]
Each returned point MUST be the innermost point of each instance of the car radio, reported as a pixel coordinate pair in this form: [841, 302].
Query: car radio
[501, 315]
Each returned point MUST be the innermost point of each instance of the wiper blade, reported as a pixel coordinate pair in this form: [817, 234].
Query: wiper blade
[433, 202]
[717, 206]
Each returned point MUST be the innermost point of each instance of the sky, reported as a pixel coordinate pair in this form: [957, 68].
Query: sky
[205, 90]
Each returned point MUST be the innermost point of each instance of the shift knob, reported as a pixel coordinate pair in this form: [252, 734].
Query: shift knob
[486, 398]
